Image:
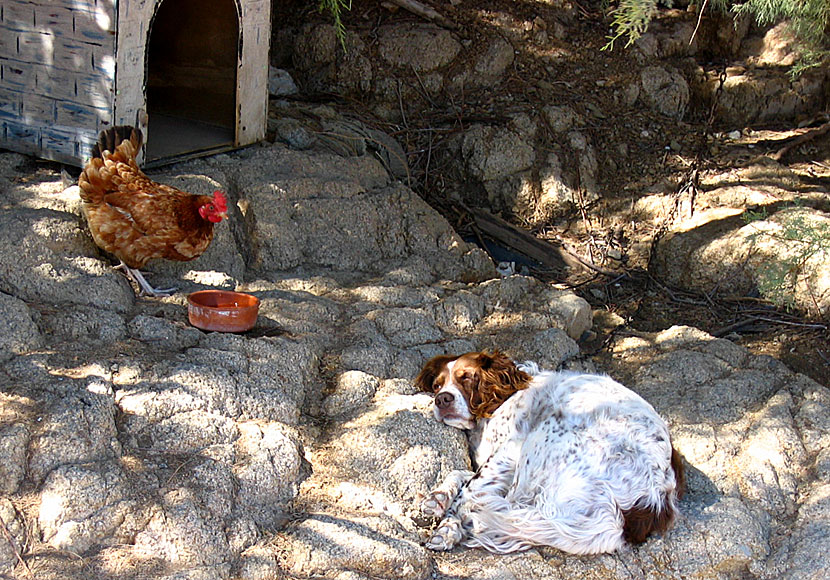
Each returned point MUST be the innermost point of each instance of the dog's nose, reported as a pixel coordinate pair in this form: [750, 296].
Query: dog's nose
[444, 400]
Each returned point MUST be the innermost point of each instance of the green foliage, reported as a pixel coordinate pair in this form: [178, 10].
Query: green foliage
[750, 216]
[335, 8]
[808, 21]
[630, 18]
[777, 279]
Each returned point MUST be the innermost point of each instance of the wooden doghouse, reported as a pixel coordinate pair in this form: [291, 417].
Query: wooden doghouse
[192, 74]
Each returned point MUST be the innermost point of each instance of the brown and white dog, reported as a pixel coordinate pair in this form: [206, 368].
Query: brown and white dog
[569, 460]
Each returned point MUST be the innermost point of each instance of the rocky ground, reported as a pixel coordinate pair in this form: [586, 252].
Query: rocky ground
[133, 445]
[516, 107]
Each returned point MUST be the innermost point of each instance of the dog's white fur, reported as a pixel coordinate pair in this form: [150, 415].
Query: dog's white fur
[562, 462]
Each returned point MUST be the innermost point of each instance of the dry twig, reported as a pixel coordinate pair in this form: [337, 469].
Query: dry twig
[803, 137]
[12, 543]
[424, 11]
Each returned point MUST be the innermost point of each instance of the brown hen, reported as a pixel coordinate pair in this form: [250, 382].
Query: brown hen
[136, 219]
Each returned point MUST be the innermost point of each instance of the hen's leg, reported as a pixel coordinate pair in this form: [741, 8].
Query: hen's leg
[145, 288]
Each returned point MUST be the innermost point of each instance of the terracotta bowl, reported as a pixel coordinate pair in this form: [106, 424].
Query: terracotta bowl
[222, 310]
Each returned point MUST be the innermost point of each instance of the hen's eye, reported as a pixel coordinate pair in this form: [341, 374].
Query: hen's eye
[210, 206]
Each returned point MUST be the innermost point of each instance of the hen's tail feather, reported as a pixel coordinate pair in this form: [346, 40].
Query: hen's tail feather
[116, 146]
[111, 138]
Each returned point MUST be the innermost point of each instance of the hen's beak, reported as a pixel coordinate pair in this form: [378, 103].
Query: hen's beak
[215, 218]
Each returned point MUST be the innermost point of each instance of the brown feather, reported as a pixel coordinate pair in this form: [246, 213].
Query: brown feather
[133, 217]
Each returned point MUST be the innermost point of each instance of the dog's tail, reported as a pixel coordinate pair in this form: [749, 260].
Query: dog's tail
[503, 527]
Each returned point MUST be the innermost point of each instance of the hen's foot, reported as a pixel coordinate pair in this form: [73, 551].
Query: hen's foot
[145, 289]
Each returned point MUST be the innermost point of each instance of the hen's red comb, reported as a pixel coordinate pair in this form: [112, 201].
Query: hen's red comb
[220, 201]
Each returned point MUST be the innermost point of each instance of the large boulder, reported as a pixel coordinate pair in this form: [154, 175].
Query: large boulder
[55, 262]
[783, 256]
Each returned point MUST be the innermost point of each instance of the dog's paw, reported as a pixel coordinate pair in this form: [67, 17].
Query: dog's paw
[436, 503]
[447, 536]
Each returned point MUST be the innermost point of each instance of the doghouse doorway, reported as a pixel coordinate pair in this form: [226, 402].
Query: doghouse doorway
[192, 58]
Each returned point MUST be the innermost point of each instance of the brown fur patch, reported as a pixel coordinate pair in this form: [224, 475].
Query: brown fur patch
[500, 378]
[487, 380]
[639, 523]
[679, 472]
[428, 379]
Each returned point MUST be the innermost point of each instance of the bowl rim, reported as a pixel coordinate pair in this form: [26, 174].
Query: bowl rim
[214, 291]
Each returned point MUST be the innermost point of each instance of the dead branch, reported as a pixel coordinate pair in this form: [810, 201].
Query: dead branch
[810, 325]
[805, 136]
[424, 11]
[752, 319]
[13, 544]
[699, 20]
[592, 266]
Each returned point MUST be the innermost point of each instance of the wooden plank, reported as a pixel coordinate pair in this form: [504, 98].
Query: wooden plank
[546, 253]
[103, 61]
[134, 10]
[257, 10]
[24, 138]
[86, 5]
[8, 43]
[9, 103]
[94, 27]
[94, 89]
[80, 87]
[86, 142]
[18, 16]
[38, 109]
[17, 76]
[59, 142]
[252, 76]
[71, 54]
[54, 18]
[78, 115]
[36, 48]
[55, 83]
[29, 47]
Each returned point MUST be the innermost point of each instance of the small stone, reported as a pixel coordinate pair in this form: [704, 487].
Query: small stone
[280, 83]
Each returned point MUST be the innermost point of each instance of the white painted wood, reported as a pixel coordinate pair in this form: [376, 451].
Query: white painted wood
[62, 79]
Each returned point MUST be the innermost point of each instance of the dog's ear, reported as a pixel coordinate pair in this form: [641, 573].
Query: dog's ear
[485, 360]
[500, 378]
[426, 379]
